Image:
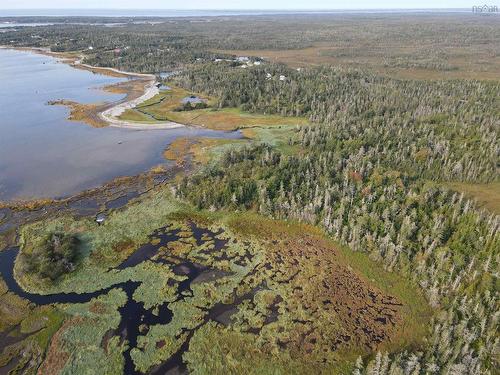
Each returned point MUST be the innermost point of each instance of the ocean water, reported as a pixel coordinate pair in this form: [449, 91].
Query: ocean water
[42, 154]
[7, 25]
[127, 12]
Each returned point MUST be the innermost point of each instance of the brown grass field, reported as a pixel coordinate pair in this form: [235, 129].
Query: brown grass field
[486, 195]
[89, 113]
[465, 63]
[163, 108]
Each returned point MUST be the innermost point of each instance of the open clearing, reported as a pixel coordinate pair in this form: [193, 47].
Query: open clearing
[166, 107]
[403, 61]
[486, 195]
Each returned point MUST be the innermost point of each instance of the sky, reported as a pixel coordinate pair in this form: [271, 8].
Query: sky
[240, 4]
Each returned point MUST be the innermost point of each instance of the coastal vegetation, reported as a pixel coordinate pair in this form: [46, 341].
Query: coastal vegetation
[433, 236]
[26, 331]
[247, 285]
[354, 230]
[87, 113]
[169, 106]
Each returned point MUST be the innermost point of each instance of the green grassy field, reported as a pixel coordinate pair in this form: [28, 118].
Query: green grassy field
[163, 108]
[209, 150]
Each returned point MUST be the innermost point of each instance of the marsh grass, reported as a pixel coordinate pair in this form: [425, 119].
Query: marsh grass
[270, 294]
[215, 349]
[81, 336]
[265, 293]
[30, 329]
[205, 151]
[155, 288]
[13, 309]
[102, 245]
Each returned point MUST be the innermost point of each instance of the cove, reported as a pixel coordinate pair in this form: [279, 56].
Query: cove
[44, 155]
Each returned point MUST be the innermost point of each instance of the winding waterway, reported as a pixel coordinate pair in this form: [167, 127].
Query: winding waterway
[133, 313]
[44, 155]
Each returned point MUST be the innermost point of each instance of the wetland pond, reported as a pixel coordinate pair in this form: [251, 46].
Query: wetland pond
[44, 155]
[133, 314]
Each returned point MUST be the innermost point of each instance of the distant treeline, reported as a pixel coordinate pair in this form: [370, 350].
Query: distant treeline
[178, 41]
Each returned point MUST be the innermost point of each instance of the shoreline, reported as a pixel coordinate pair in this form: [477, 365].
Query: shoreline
[110, 115]
[112, 111]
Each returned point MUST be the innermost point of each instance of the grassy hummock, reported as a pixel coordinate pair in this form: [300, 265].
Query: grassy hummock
[281, 291]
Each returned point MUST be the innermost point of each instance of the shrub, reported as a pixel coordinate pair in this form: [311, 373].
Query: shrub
[191, 106]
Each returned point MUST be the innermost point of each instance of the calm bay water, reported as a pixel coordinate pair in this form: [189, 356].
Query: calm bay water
[42, 154]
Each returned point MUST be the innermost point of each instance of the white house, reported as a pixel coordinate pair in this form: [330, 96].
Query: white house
[282, 78]
[269, 76]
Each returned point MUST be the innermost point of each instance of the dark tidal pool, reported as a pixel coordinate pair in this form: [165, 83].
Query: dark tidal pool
[133, 313]
[44, 155]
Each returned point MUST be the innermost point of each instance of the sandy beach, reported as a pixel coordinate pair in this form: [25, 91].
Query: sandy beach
[110, 115]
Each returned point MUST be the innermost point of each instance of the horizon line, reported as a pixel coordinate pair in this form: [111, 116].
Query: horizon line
[241, 9]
